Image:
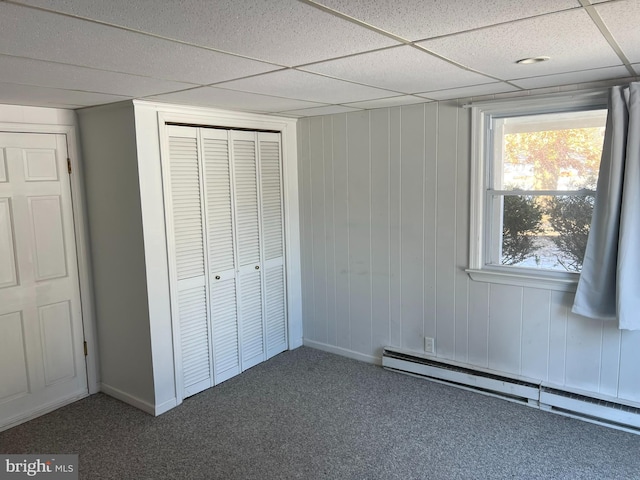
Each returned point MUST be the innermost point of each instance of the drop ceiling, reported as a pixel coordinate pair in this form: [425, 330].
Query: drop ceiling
[303, 58]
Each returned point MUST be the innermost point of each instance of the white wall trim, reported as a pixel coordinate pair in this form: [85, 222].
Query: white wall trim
[166, 406]
[129, 399]
[167, 113]
[343, 351]
[34, 120]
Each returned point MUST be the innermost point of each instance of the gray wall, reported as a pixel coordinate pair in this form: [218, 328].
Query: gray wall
[385, 238]
[118, 259]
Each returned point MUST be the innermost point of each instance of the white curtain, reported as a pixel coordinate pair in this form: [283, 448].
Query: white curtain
[609, 286]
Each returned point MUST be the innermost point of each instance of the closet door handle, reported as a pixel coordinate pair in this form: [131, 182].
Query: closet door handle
[257, 267]
[217, 277]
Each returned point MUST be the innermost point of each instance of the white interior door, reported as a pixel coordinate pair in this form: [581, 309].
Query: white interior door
[42, 363]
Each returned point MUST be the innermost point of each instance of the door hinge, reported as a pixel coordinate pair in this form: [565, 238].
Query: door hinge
[69, 165]
[86, 350]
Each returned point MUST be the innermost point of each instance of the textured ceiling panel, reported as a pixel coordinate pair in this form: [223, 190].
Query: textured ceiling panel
[388, 102]
[402, 69]
[57, 75]
[221, 98]
[471, 91]
[314, 112]
[623, 21]
[67, 40]
[573, 77]
[562, 36]
[50, 97]
[287, 32]
[306, 86]
[421, 19]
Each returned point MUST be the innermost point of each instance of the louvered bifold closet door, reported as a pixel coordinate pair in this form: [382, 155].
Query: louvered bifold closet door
[221, 253]
[188, 259]
[270, 161]
[247, 230]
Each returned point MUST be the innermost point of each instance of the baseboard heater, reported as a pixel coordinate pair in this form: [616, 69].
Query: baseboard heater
[610, 413]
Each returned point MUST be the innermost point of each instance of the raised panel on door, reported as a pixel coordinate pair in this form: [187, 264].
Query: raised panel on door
[8, 272]
[43, 363]
[271, 209]
[247, 238]
[188, 260]
[221, 253]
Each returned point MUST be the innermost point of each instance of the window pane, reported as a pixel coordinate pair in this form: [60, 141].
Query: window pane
[543, 232]
[559, 151]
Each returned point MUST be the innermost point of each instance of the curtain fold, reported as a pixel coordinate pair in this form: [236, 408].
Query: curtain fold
[609, 286]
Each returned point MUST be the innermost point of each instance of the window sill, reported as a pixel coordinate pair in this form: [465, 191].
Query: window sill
[562, 284]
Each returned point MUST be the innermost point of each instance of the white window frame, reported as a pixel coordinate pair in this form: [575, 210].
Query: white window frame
[482, 114]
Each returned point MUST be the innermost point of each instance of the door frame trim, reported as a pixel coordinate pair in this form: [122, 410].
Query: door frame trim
[81, 231]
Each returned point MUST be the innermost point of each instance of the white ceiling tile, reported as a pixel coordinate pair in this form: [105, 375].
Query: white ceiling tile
[46, 36]
[421, 19]
[636, 67]
[57, 75]
[389, 102]
[571, 39]
[328, 110]
[306, 86]
[231, 99]
[50, 97]
[573, 77]
[281, 31]
[402, 69]
[623, 21]
[473, 90]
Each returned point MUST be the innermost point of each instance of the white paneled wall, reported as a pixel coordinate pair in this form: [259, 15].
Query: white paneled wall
[385, 238]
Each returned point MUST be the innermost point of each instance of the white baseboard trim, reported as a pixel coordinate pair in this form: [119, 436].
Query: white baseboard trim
[50, 407]
[166, 406]
[343, 351]
[127, 398]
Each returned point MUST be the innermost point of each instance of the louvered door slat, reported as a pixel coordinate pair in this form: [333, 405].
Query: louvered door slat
[275, 317]
[219, 214]
[246, 199]
[271, 199]
[251, 318]
[192, 308]
[189, 262]
[225, 329]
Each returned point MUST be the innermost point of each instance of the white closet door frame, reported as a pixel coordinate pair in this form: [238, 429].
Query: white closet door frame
[167, 114]
[81, 233]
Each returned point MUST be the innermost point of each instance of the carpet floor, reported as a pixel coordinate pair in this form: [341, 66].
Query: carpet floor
[308, 414]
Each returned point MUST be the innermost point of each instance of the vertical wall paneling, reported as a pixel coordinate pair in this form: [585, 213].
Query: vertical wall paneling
[411, 224]
[535, 333]
[395, 232]
[584, 351]
[461, 306]
[341, 195]
[478, 334]
[359, 172]
[317, 185]
[610, 366]
[430, 206]
[445, 228]
[558, 311]
[505, 322]
[305, 225]
[330, 237]
[629, 371]
[385, 227]
[380, 232]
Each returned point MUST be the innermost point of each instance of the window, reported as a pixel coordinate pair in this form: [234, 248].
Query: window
[535, 169]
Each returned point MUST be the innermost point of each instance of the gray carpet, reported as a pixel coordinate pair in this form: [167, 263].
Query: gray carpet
[309, 414]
